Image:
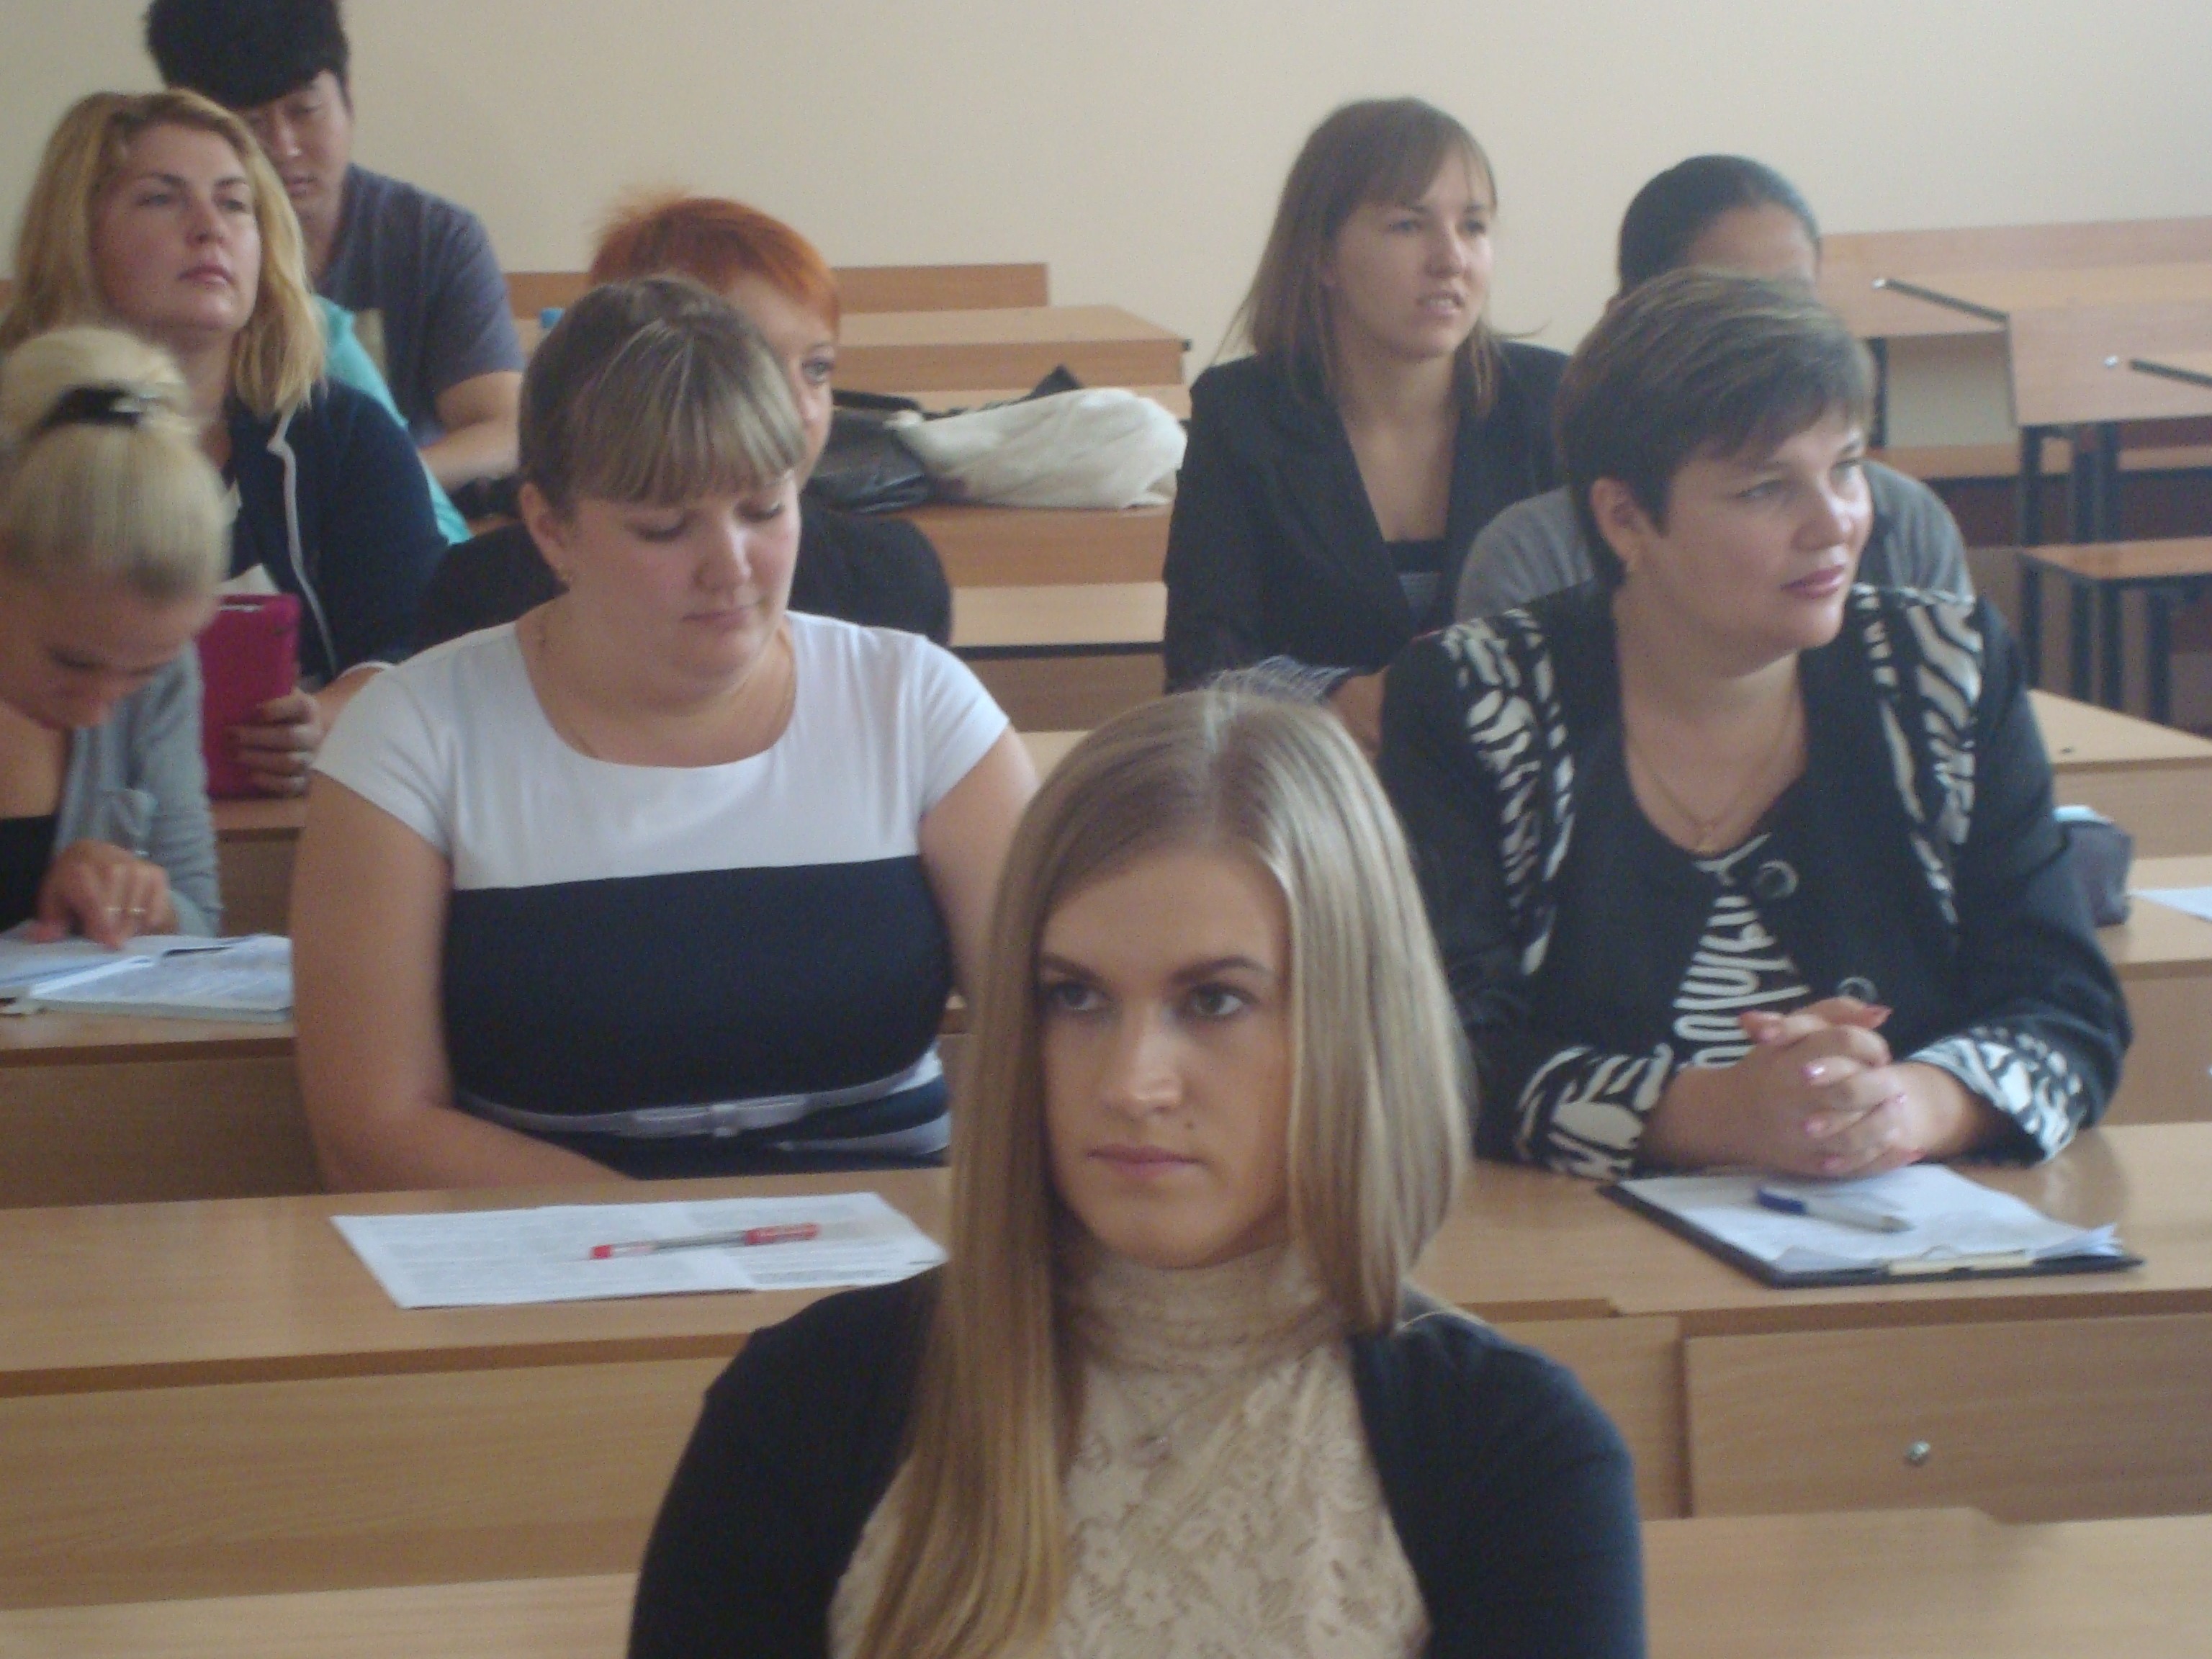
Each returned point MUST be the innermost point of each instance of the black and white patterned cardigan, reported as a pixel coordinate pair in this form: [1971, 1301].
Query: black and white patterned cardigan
[1916, 864]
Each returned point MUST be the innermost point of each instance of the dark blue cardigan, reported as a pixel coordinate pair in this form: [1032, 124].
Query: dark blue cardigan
[1510, 1492]
[333, 503]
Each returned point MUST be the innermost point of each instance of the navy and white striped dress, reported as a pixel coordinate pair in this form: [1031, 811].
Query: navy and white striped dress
[680, 970]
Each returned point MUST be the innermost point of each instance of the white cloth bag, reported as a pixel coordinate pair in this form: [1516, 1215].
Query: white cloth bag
[1099, 448]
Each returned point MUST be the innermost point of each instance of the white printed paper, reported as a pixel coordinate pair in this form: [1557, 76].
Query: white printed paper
[502, 1258]
[246, 978]
[24, 961]
[2190, 901]
[1952, 1218]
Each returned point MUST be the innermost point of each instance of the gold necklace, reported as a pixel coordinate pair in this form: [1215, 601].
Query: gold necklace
[1704, 831]
[565, 723]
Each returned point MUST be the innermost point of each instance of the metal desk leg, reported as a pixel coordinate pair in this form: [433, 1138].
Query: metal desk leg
[2078, 604]
[2030, 509]
[2114, 690]
[2107, 495]
[2083, 501]
[2159, 639]
[2031, 619]
[1878, 438]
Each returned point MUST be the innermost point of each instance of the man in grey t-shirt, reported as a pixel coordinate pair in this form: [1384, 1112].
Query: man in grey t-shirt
[417, 272]
[1536, 547]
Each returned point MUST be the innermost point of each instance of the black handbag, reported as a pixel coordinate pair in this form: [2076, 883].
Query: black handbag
[2098, 852]
[863, 467]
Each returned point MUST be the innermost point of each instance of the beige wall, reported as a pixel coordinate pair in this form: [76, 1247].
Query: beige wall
[1137, 144]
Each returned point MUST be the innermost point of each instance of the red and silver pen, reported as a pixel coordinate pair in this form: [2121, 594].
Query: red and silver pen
[789, 1232]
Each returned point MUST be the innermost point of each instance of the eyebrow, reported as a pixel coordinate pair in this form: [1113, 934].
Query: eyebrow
[1187, 975]
[182, 182]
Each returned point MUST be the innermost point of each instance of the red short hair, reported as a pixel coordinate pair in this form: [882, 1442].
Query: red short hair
[714, 241]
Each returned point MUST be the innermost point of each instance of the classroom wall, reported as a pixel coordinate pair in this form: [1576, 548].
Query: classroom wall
[1137, 146]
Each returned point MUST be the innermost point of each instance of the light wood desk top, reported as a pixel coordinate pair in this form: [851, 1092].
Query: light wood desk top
[2164, 559]
[2082, 737]
[1997, 295]
[2193, 366]
[1060, 619]
[261, 1289]
[859, 288]
[907, 351]
[1879, 1584]
[1000, 326]
[2153, 1180]
[1029, 546]
[1048, 748]
[1851, 261]
[2156, 941]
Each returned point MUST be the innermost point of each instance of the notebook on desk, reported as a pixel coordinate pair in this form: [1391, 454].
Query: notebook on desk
[1952, 1228]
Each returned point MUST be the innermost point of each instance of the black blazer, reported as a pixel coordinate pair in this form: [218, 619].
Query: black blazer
[1273, 549]
[1510, 1492]
[1916, 863]
[881, 573]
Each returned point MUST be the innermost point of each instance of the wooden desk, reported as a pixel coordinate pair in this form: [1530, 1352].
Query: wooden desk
[919, 351]
[2164, 959]
[1851, 261]
[2154, 781]
[254, 842]
[859, 288]
[210, 1399]
[1048, 748]
[2100, 575]
[96, 1109]
[2069, 332]
[1065, 657]
[1913, 1584]
[214, 1399]
[1033, 547]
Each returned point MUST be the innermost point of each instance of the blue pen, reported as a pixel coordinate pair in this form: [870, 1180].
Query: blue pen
[1849, 1213]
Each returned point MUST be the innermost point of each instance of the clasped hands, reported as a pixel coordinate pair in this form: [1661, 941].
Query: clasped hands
[1819, 1095]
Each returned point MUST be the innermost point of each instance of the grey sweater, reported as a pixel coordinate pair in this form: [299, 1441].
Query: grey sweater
[138, 782]
[1536, 547]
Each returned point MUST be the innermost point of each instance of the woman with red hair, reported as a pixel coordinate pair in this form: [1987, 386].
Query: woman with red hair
[881, 572]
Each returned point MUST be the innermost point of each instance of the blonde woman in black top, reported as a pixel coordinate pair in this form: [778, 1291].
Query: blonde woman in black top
[1171, 1394]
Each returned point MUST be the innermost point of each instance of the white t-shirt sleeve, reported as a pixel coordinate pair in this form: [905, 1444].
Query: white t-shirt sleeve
[957, 719]
[389, 749]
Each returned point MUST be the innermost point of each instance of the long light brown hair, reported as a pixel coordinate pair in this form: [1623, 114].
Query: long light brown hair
[278, 357]
[1379, 149]
[1377, 1129]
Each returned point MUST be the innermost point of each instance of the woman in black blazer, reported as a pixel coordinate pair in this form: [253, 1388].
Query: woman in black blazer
[1731, 861]
[1336, 476]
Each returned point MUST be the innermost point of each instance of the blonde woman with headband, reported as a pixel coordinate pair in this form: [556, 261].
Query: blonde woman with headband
[1171, 1394]
[158, 213]
[112, 542]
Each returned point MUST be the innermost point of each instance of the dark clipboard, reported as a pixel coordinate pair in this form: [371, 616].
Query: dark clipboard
[1744, 1261]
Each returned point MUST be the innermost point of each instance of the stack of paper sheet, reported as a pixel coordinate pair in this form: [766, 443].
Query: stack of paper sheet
[493, 1258]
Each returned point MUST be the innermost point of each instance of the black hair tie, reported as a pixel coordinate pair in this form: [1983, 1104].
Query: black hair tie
[94, 405]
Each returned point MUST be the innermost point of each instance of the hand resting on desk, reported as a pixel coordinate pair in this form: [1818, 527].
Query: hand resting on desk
[1819, 1095]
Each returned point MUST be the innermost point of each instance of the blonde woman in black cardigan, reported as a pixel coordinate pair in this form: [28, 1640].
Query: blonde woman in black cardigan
[1732, 861]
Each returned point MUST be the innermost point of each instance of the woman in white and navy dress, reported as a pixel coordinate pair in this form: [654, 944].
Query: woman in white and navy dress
[661, 879]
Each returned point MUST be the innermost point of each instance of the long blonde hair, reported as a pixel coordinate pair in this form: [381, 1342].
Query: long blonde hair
[1378, 149]
[278, 357]
[101, 473]
[1377, 1129]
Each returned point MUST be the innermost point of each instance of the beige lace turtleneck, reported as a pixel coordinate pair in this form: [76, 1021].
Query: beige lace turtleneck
[1222, 1503]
